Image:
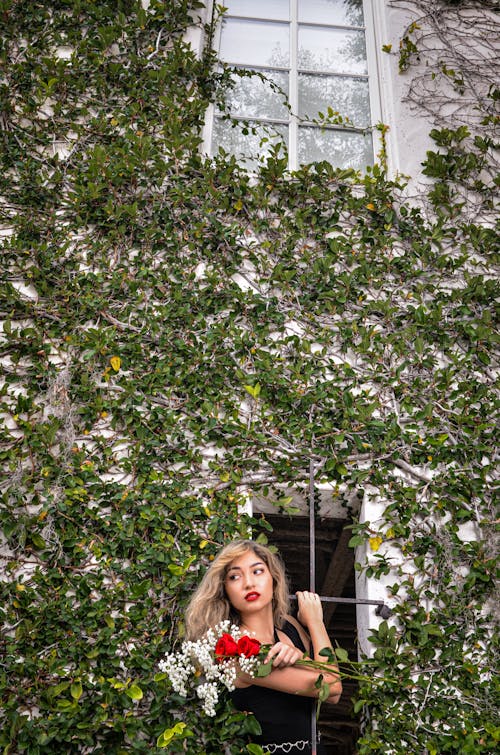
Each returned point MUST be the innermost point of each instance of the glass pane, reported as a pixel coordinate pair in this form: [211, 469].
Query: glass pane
[335, 12]
[332, 50]
[255, 43]
[347, 96]
[259, 8]
[340, 148]
[247, 147]
[254, 98]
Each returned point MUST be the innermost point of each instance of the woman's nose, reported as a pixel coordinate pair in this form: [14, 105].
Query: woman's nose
[248, 581]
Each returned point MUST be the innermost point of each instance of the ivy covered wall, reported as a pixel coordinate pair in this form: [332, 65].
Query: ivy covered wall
[177, 335]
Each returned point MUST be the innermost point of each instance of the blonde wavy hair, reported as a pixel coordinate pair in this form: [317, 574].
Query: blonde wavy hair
[210, 604]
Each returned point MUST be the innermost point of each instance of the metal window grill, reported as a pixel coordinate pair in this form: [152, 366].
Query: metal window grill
[381, 609]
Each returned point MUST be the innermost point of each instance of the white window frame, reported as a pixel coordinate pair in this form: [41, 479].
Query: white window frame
[374, 27]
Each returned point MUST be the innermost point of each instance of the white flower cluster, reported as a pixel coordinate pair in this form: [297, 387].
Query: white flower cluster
[247, 665]
[179, 669]
[197, 660]
[209, 695]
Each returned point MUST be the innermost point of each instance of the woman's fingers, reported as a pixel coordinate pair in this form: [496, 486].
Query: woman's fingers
[310, 608]
[283, 655]
[306, 596]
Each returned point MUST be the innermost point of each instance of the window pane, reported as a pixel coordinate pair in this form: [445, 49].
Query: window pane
[259, 8]
[332, 50]
[254, 98]
[348, 96]
[340, 148]
[255, 43]
[335, 12]
[248, 147]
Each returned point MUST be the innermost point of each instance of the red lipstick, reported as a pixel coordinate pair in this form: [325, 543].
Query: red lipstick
[252, 596]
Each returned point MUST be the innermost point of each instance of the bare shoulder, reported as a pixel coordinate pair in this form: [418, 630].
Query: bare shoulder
[300, 629]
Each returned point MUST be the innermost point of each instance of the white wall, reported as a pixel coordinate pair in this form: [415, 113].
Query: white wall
[408, 137]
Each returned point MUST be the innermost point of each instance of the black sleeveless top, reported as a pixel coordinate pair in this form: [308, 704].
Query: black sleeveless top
[283, 717]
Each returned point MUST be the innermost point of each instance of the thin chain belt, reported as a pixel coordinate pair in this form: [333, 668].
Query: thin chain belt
[301, 745]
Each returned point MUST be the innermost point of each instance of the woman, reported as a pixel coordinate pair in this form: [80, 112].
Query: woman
[246, 583]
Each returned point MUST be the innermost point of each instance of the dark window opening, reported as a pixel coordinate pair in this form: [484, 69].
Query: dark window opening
[334, 578]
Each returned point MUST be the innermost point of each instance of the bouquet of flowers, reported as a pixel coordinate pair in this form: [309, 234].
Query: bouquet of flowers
[210, 663]
[213, 662]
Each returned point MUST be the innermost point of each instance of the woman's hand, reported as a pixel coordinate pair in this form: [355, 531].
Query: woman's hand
[310, 608]
[283, 655]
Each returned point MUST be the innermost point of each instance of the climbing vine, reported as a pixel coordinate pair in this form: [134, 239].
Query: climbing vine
[178, 335]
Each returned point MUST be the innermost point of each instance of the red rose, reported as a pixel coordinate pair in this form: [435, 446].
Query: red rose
[248, 647]
[225, 647]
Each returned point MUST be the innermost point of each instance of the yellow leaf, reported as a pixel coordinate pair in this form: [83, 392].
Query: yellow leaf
[169, 734]
[238, 205]
[390, 532]
[115, 363]
[134, 692]
[76, 690]
[375, 542]
[203, 544]
[370, 206]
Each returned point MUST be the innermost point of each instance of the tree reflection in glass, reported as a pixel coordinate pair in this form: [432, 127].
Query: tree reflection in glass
[346, 95]
[340, 148]
[335, 50]
[249, 143]
[329, 73]
[335, 12]
[279, 9]
[255, 43]
[254, 97]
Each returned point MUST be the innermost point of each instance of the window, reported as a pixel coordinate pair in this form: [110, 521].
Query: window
[334, 577]
[314, 51]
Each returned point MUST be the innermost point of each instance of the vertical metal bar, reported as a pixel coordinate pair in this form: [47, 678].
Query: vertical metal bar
[293, 89]
[312, 531]
[312, 579]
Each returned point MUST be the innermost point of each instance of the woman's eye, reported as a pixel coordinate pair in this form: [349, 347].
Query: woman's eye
[258, 571]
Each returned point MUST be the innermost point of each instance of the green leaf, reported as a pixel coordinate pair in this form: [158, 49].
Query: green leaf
[253, 390]
[63, 704]
[324, 692]
[160, 676]
[38, 541]
[76, 690]
[342, 655]
[134, 692]
[254, 749]
[61, 687]
[358, 705]
[328, 653]
[252, 726]
[264, 669]
[175, 732]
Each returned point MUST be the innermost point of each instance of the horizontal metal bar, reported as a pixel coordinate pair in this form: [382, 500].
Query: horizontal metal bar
[363, 601]
[382, 609]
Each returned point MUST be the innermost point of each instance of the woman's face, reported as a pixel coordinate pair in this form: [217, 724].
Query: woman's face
[248, 583]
